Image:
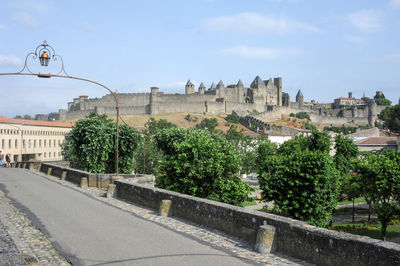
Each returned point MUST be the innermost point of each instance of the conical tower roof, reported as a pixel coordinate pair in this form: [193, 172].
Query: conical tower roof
[299, 94]
[239, 84]
[202, 86]
[220, 84]
[189, 83]
[213, 86]
[257, 82]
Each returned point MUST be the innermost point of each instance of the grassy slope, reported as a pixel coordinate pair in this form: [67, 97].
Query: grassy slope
[178, 119]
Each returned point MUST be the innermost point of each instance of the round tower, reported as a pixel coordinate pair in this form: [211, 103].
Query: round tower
[189, 87]
[300, 99]
[202, 88]
[372, 113]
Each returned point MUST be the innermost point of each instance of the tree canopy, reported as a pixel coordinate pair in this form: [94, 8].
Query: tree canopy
[391, 117]
[90, 145]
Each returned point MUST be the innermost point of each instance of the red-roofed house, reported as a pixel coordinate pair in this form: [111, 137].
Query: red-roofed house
[32, 139]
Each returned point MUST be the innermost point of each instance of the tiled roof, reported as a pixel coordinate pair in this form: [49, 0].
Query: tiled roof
[377, 141]
[4, 119]
[189, 83]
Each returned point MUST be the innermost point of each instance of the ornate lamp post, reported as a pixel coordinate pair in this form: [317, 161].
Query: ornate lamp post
[46, 53]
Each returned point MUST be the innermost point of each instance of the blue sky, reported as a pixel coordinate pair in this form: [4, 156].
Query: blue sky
[324, 48]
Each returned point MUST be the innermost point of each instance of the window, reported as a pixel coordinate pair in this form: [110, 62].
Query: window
[44, 155]
[44, 143]
[54, 143]
[16, 143]
[23, 144]
[40, 143]
[34, 143]
[29, 144]
[49, 143]
[2, 143]
[9, 143]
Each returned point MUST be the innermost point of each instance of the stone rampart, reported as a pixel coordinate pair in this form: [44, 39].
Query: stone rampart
[296, 238]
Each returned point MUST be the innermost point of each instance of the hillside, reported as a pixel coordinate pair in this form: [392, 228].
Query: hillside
[138, 121]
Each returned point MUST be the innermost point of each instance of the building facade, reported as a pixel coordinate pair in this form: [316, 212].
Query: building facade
[31, 139]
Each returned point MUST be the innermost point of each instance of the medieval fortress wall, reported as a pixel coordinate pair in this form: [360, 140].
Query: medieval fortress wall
[264, 99]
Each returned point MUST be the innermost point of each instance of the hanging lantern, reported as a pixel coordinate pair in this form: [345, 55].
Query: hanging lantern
[44, 59]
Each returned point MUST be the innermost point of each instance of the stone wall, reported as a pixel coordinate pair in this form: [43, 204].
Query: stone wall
[296, 238]
[75, 176]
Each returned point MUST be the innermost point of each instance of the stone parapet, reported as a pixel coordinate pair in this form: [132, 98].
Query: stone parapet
[296, 238]
[75, 176]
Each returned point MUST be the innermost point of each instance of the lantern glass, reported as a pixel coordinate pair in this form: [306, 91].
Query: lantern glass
[44, 61]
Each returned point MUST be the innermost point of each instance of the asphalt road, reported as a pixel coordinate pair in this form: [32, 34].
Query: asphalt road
[89, 232]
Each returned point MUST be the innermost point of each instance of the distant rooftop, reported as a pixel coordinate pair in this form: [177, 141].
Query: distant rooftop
[4, 119]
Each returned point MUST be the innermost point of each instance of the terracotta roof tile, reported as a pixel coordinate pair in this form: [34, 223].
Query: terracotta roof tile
[4, 119]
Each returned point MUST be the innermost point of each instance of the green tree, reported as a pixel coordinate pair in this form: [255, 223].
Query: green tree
[233, 118]
[303, 185]
[317, 141]
[208, 123]
[346, 153]
[148, 155]
[391, 118]
[28, 117]
[352, 189]
[200, 164]
[380, 173]
[153, 126]
[90, 145]
[303, 115]
[383, 101]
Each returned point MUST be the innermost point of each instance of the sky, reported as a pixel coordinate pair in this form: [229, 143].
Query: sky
[324, 48]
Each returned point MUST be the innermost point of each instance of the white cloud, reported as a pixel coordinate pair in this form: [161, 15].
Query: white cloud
[25, 20]
[354, 39]
[367, 20]
[256, 23]
[244, 51]
[10, 60]
[394, 4]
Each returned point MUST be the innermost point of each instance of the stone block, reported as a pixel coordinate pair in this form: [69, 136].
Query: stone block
[84, 182]
[165, 206]
[63, 175]
[265, 240]
[111, 191]
[49, 170]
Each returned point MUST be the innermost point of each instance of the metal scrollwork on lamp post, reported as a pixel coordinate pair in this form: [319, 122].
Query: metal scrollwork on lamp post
[46, 53]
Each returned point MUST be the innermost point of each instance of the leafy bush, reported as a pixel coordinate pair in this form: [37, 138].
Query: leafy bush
[303, 115]
[383, 101]
[391, 118]
[208, 123]
[233, 118]
[303, 185]
[90, 145]
[200, 164]
[380, 175]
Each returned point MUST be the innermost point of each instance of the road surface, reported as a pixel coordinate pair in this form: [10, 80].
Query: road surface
[90, 232]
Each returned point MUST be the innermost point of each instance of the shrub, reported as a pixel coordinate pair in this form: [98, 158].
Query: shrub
[90, 145]
[200, 164]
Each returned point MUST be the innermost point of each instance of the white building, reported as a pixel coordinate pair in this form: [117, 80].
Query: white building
[31, 139]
